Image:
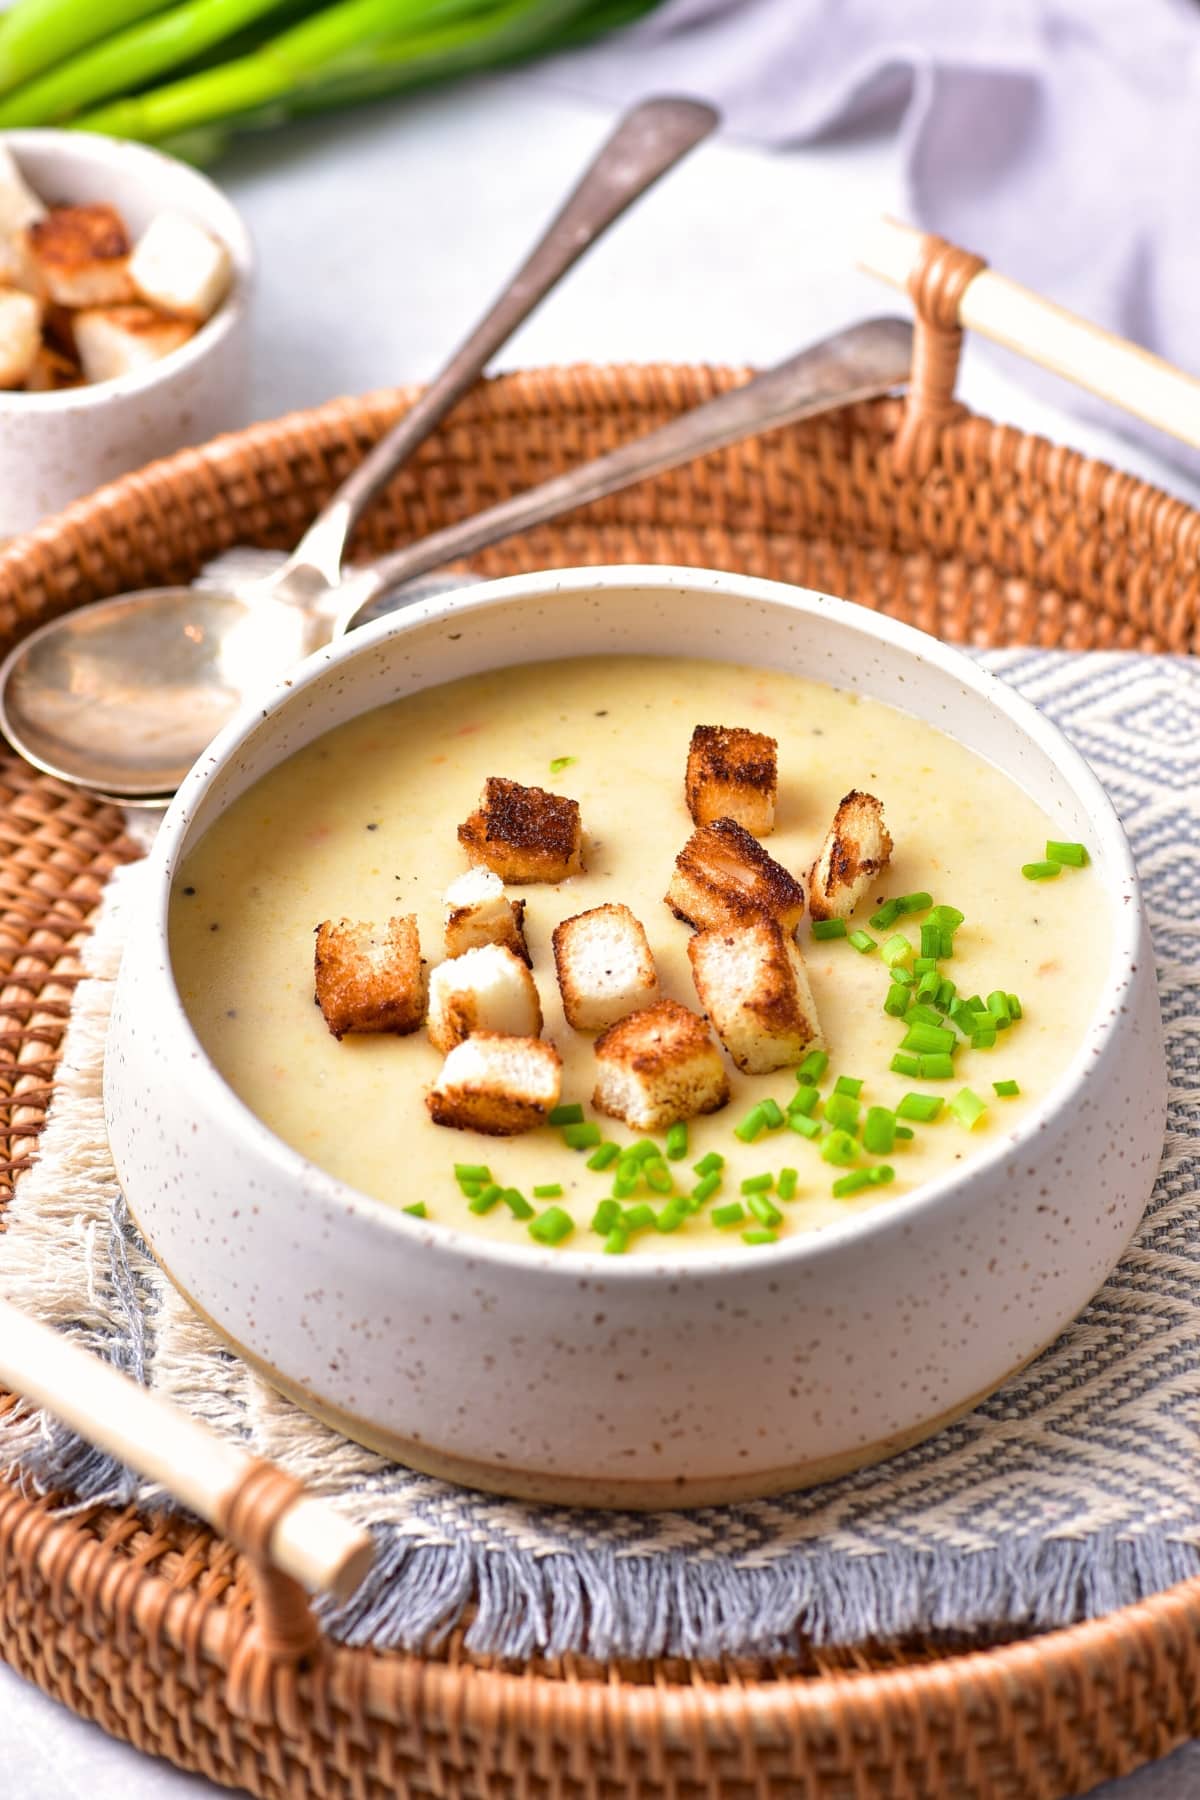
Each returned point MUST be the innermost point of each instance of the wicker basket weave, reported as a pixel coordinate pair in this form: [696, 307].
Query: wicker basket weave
[973, 531]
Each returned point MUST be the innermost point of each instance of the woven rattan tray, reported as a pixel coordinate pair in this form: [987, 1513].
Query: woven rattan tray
[973, 531]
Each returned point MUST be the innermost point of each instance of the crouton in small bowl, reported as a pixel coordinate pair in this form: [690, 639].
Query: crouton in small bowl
[638, 1036]
[125, 286]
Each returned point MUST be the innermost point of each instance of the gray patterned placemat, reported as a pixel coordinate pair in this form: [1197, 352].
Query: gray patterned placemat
[1072, 1491]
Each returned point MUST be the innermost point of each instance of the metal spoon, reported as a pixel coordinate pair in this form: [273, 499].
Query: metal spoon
[123, 695]
[859, 363]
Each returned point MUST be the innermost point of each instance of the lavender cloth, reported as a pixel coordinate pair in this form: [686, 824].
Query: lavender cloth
[1058, 138]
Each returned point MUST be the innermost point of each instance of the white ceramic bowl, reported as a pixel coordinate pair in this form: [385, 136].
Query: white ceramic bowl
[640, 1382]
[55, 447]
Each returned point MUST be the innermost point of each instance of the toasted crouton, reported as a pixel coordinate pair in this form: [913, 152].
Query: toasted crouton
[115, 340]
[605, 969]
[52, 371]
[370, 980]
[81, 256]
[731, 774]
[180, 267]
[488, 989]
[478, 913]
[858, 846]
[752, 984]
[498, 1085]
[723, 876]
[20, 336]
[657, 1066]
[524, 833]
[19, 205]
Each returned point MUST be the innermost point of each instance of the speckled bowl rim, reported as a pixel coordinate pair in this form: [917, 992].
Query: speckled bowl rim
[101, 151]
[696, 1265]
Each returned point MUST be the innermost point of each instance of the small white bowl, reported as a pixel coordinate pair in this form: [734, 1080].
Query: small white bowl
[448, 1350]
[55, 447]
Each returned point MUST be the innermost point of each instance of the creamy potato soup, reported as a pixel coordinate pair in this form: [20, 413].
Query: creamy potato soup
[362, 824]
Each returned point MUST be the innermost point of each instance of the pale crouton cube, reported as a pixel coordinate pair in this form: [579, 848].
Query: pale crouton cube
[52, 371]
[115, 340]
[498, 1085]
[752, 984]
[20, 336]
[488, 989]
[524, 833]
[81, 256]
[732, 774]
[605, 968]
[19, 205]
[370, 979]
[478, 913]
[857, 848]
[658, 1066]
[181, 267]
[723, 876]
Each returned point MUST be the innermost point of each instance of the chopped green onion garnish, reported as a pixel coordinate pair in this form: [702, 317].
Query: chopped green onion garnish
[903, 1131]
[896, 949]
[472, 1172]
[1014, 1007]
[785, 1187]
[644, 1151]
[707, 1186]
[559, 763]
[672, 1215]
[879, 1131]
[1006, 1089]
[517, 1204]
[772, 1113]
[752, 1126]
[944, 998]
[924, 1107]
[486, 1198]
[616, 1242]
[842, 1111]
[915, 903]
[763, 1210]
[966, 1018]
[732, 1213]
[947, 918]
[606, 1215]
[658, 1177]
[848, 1084]
[923, 964]
[677, 1141]
[828, 928]
[471, 1189]
[902, 1064]
[840, 1149]
[935, 1067]
[757, 1184]
[931, 939]
[711, 1164]
[967, 1108]
[863, 942]
[900, 974]
[895, 1002]
[804, 1100]
[416, 1210]
[624, 1185]
[928, 1039]
[929, 985]
[804, 1125]
[1041, 871]
[926, 1015]
[881, 1174]
[813, 1066]
[581, 1137]
[845, 1185]
[549, 1190]
[571, 1114]
[997, 1005]
[1074, 855]
[887, 915]
[758, 1234]
[602, 1157]
[984, 1038]
[636, 1218]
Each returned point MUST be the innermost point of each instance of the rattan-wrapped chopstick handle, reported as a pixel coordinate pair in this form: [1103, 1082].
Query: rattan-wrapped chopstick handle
[1012, 315]
[235, 1493]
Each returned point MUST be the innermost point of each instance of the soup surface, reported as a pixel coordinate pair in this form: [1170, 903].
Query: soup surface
[363, 823]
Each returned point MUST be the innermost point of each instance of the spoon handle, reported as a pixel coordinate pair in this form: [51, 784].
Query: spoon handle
[648, 141]
[865, 360]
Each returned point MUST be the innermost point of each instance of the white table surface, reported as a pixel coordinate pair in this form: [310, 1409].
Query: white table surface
[380, 234]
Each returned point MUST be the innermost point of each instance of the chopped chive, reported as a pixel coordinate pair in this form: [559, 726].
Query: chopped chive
[624, 1186]
[881, 1175]
[707, 1186]
[672, 1215]
[804, 1125]
[879, 1131]
[900, 974]
[559, 763]
[828, 928]
[758, 1234]
[1073, 855]
[887, 915]
[1014, 1007]
[517, 1204]
[416, 1210]
[764, 1211]
[915, 903]
[813, 1066]
[845, 1185]
[924, 1107]
[947, 943]
[785, 1187]
[602, 1157]
[486, 1198]
[1041, 871]
[752, 1126]
[571, 1114]
[931, 939]
[804, 1100]
[926, 1015]
[549, 1190]
[945, 995]
[616, 1242]
[896, 949]
[840, 1149]
[658, 1178]
[863, 942]
[997, 1005]
[966, 1018]
[947, 918]
[772, 1113]
[471, 1189]
[757, 1184]
[677, 1141]
[967, 1108]
[896, 1000]
[935, 1067]
[848, 1084]
[902, 1064]
[645, 1150]
[606, 1215]
[582, 1136]
[711, 1164]
[841, 1111]
[732, 1213]
[903, 1132]
[928, 1039]
[1006, 1089]
[472, 1172]
[984, 1038]
[636, 1218]
[923, 964]
[929, 984]
[976, 1004]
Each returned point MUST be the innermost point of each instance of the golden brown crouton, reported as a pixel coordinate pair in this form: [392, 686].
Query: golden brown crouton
[752, 984]
[657, 1066]
[81, 256]
[524, 833]
[116, 340]
[370, 980]
[478, 913]
[497, 1085]
[488, 989]
[723, 876]
[857, 848]
[731, 774]
[604, 966]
